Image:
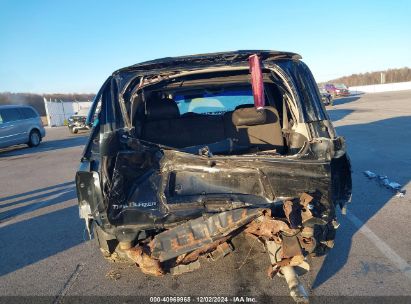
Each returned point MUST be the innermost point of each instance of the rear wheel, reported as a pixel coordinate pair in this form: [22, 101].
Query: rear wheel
[34, 138]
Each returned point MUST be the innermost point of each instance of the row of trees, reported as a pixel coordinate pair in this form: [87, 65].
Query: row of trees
[391, 75]
[36, 100]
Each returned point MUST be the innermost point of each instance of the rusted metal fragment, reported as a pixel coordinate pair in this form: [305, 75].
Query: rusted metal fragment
[142, 258]
[267, 227]
[305, 199]
[290, 247]
[293, 261]
[288, 208]
[275, 268]
[200, 232]
[194, 255]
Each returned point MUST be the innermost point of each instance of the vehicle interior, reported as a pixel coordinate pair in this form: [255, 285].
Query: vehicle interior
[217, 110]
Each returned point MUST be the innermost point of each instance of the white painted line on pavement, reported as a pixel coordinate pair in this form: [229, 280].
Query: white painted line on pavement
[398, 261]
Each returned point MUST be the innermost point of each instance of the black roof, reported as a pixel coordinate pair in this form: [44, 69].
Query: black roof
[204, 60]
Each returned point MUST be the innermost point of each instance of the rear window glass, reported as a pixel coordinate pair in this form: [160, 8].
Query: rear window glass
[214, 103]
[10, 115]
[28, 113]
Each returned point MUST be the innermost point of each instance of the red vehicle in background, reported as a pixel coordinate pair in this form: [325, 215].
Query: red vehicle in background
[337, 89]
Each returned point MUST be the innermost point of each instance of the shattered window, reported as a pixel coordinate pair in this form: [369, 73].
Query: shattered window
[214, 103]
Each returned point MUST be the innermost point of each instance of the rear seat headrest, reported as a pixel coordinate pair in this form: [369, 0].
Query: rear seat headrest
[253, 117]
[159, 109]
[249, 117]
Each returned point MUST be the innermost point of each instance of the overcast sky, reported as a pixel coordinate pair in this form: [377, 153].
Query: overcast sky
[73, 45]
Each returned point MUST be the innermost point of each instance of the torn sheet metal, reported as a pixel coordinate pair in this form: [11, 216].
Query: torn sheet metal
[287, 239]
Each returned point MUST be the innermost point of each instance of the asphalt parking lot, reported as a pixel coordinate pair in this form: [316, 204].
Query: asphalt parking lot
[44, 249]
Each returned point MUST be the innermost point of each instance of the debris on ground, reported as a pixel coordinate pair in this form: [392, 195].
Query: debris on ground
[400, 194]
[114, 275]
[370, 174]
[384, 181]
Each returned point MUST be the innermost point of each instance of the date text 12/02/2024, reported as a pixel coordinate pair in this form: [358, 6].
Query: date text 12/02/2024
[235, 299]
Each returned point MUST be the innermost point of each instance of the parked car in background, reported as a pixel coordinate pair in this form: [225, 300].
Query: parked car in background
[326, 97]
[78, 121]
[337, 89]
[187, 152]
[20, 125]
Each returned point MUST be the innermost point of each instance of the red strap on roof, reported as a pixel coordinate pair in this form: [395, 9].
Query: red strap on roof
[257, 81]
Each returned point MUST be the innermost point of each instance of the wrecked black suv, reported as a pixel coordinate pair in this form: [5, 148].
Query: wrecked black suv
[187, 152]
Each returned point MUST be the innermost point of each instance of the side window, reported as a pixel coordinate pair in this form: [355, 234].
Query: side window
[9, 115]
[28, 113]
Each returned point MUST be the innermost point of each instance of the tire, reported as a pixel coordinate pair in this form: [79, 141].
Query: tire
[34, 138]
[72, 130]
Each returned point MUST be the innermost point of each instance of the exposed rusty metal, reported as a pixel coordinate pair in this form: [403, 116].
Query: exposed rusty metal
[194, 255]
[142, 258]
[208, 236]
[291, 247]
[203, 232]
[267, 227]
[305, 199]
[178, 249]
